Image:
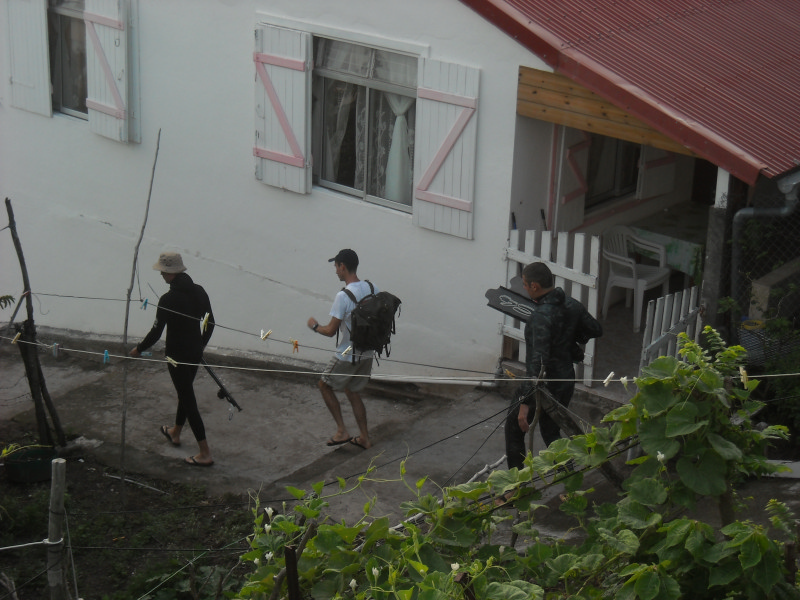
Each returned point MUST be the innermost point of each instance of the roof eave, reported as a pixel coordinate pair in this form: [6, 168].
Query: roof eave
[603, 82]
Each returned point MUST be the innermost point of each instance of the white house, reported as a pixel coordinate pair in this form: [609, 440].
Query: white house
[290, 129]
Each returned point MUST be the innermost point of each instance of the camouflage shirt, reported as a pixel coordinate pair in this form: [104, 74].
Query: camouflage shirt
[556, 326]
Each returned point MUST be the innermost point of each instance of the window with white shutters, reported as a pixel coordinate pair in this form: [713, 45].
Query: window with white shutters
[76, 57]
[374, 123]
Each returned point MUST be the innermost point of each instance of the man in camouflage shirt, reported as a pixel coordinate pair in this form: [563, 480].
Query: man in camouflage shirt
[552, 334]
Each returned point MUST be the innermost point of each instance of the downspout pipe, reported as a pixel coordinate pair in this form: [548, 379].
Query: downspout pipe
[789, 186]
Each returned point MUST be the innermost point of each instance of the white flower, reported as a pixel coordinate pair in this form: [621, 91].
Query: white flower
[353, 584]
[660, 456]
[269, 511]
[375, 572]
[268, 556]
[257, 561]
[267, 528]
[455, 566]
[624, 381]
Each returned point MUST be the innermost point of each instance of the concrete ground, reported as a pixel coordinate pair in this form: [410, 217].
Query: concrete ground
[279, 439]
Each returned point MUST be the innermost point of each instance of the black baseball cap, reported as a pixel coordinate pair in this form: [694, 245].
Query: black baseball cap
[347, 257]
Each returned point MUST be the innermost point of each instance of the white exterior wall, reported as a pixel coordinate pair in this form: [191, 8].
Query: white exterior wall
[261, 253]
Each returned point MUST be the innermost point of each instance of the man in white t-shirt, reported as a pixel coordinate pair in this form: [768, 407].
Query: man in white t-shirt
[347, 370]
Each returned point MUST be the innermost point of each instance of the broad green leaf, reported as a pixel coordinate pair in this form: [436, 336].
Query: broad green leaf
[503, 481]
[718, 552]
[623, 541]
[516, 590]
[648, 491]
[658, 397]
[723, 574]
[749, 554]
[297, 493]
[636, 515]
[471, 491]
[677, 531]
[652, 435]
[624, 413]
[682, 420]
[327, 540]
[663, 367]
[767, 573]
[706, 476]
[725, 448]
[563, 564]
[453, 532]
[670, 590]
[647, 585]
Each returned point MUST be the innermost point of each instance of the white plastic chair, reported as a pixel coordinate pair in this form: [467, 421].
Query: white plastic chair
[625, 272]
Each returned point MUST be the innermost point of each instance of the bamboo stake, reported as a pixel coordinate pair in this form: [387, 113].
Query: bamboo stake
[127, 314]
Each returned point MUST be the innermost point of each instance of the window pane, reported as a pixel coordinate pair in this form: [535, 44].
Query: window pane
[343, 57]
[344, 111]
[602, 166]
[396, 68]
[628, 165]
[73, 65]
[391, 149]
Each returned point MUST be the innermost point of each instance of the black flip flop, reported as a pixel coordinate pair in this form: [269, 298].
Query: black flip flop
[355, 442]
[165, 431]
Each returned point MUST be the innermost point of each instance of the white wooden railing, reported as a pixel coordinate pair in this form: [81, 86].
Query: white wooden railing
[574, 260]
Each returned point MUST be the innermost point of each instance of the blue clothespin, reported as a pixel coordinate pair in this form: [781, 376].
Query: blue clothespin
[56, 349]
[144, 305]
[106, 358]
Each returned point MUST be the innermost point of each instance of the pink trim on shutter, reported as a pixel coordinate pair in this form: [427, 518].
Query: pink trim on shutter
[469, 105]
[105, 21]
[583, 187]
[298, 160]
[119, 111]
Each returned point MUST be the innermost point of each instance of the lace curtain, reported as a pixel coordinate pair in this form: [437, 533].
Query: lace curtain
[385, 168]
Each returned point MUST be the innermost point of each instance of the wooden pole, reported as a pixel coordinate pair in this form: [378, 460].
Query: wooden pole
[30, 356]
[55, 533]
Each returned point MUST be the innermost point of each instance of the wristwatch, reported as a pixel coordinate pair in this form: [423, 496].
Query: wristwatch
[314, 328]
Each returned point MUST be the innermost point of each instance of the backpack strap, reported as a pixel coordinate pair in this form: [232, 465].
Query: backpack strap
[350, 294]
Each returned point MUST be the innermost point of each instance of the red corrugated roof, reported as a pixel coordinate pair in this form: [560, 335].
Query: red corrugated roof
[722, 77]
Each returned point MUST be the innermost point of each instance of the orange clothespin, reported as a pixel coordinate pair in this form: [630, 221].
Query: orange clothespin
[295, 346]
[509, 374]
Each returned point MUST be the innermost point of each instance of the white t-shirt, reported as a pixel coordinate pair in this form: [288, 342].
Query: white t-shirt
[341, 309]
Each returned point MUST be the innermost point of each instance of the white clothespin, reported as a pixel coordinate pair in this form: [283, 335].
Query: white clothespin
[204, 324]
[16, 337]
[171, 361]
[347, 351]
[265, 334]
[608, 379]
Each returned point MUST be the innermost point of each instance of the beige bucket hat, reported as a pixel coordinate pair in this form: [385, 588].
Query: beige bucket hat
[169, 262]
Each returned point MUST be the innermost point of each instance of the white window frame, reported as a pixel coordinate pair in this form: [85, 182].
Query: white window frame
[316, 135]
[112, 70]
[443, 201]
